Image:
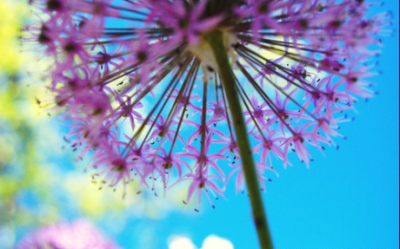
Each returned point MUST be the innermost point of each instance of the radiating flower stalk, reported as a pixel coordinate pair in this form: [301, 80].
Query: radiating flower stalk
[166, 91]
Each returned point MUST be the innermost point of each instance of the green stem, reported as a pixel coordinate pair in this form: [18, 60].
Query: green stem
[249, 168]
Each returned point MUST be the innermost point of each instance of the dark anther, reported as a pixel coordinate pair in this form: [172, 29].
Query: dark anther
[98, 8]
[60, 101]
[104, 58]
[364, 24]
[43, 38]
[167, 165]
[263, 7]
[72, 83]
[98, 111]
[235, 46]
[183, 23]
[303, 23]
[354, 79]
[210, 69]
[70, 47]
[54, 5]
[81, 24]
[119, 168]
[142, 56]
[336, 23]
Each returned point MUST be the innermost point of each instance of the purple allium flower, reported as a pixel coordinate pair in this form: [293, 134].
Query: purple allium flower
[75, 235]
[141, 86]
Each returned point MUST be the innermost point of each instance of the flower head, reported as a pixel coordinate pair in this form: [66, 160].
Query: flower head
[76, 235]
[142, 88]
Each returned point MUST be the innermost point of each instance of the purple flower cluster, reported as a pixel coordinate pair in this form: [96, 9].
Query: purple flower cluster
[76, 235]
[141, 87]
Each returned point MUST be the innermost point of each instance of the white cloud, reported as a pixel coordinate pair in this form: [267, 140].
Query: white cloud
[214, 242]
[181, 243]
[211, 242]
